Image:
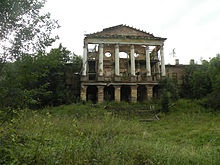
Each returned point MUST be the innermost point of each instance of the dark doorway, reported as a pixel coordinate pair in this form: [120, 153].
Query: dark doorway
[109, 93]
[141, 93]
[125, 93]
[156, 92]
[92, 94]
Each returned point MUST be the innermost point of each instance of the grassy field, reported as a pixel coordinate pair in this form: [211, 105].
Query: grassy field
[87, 134]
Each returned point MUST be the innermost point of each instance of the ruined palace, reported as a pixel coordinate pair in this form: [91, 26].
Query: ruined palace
[121, 63]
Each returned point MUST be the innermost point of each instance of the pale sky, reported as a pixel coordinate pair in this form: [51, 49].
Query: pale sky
[192, 27]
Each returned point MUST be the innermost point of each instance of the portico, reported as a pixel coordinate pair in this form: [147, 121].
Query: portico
[122, 56]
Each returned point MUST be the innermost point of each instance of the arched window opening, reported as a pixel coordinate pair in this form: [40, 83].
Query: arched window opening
[123, 55]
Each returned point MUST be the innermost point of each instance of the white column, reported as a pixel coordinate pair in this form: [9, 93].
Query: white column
[148, 67]
[85, 59]
[132, 61]
[100, 60]
[117, 60]
[163, 72]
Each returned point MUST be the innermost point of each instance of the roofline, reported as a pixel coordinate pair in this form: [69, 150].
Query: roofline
[125, 37]
[95, 35]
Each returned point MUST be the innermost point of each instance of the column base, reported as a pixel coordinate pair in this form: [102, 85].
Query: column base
[133, 78]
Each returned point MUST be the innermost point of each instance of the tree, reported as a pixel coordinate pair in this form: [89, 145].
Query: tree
[196, 81]
[38, 81]
[186, 88]
[200, 81]
[213, 98]
[23, 28]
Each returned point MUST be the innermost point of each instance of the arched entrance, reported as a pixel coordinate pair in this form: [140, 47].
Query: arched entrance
[141, 93]
[92, 93]
[109, 93]
[125, 93]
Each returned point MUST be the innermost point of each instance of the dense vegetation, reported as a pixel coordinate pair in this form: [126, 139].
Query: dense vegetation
[38, 81]
[175, 131]
[86, 134]
[201, 82]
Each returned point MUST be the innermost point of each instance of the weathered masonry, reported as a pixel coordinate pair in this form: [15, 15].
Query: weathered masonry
[121, 63]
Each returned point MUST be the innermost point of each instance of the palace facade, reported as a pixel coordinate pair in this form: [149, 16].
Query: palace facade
[121, 63]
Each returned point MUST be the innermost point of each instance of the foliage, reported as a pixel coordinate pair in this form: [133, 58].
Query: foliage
[186, 86]
[24, 28]
[85, 134]
[196, 81]
[36, 81]
[202, 82]
[214, 72]
[212, 99]
[169, 93]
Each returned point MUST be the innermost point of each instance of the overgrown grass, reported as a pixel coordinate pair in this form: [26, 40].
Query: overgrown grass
[92, 134]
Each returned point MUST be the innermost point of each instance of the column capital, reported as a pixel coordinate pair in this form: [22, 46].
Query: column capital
[116, 45]
[132, 46]
[101, 45]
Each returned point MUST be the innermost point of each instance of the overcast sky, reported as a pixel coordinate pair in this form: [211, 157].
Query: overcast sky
[192, 27]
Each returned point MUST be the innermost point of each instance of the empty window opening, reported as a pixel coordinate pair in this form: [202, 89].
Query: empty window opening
[92, 70]
[136, 54]
[123, 55]
[108, 54]
[92, 47]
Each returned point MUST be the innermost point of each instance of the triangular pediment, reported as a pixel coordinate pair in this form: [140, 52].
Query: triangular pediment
[121, 30]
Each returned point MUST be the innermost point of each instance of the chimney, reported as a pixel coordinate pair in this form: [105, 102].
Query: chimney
[177, 62]
[192, 62]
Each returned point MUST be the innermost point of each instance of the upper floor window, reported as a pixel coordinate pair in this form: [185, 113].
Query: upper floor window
[123, 55]
[108, 54]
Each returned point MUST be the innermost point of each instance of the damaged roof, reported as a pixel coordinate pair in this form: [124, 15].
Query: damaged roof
[123, 31]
